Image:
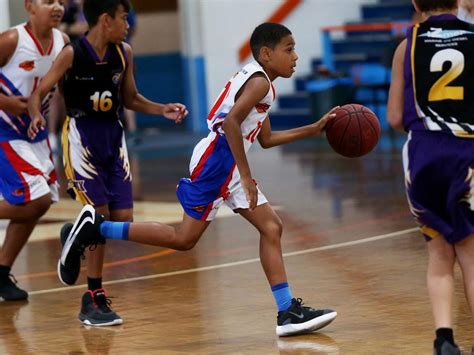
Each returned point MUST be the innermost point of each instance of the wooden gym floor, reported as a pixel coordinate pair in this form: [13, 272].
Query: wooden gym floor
[349, 242]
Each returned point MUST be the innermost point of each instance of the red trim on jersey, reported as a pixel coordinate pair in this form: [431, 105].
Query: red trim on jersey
[273, 91]
[52, 175]
[219, 101]
[38, 44]
[208, 210]
[51, 45]
[20, 165]
[198, 169]
[224, 193]
[253, 134]
[35, 85]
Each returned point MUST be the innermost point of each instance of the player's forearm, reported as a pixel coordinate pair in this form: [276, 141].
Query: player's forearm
[234, 138]
[34, 104]
[287, 136]
[139, 103]
[395, 118]
[398, 126]
[3, 102]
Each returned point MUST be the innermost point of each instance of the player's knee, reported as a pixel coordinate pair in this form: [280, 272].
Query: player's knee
[40, 207]
[444, 255]
[274, 229]
[35, 209]
[186, 244]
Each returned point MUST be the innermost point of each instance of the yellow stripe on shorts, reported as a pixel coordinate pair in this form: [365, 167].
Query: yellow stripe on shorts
[81, 196]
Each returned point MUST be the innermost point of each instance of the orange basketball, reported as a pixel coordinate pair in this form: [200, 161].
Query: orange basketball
[354, 131]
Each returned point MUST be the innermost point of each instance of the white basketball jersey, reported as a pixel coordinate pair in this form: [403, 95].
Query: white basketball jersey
[253, 122]
[23, 73]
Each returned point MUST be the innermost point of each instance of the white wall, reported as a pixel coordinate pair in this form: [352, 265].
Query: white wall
[228, 23]
[157, 33]
[4, 15]
[17, 12]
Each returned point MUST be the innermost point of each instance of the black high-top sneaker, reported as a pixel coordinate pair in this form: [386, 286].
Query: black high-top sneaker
[84, 233]
[96, 311]
[299, 320]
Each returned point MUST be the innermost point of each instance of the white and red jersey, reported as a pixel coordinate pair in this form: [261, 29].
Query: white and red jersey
[22, 75]
[253, 122]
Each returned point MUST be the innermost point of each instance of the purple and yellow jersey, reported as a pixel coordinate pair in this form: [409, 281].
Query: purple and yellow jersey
[92, 87]
[438, 72]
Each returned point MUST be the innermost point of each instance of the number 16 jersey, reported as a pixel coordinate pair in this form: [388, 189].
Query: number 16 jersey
[92, 85]
[438, 73]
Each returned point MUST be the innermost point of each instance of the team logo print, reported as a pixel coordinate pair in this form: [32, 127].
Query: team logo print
[116, 78]
[27, 65]
[77, 185]
[445, 34]
[262, 108]
[79, 78]
[199, 208]
[18, 192]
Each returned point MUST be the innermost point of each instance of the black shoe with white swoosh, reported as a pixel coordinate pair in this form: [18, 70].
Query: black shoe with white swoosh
[68, 275]
[300, 320]
[85, 232]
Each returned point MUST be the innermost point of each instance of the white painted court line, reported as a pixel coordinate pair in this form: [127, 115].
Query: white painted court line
[235, 263]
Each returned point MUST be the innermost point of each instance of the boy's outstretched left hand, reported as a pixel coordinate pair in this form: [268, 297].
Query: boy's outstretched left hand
[175, 112]
[320, 125]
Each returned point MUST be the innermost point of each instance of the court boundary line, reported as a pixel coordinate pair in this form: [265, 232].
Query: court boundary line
[235, 263]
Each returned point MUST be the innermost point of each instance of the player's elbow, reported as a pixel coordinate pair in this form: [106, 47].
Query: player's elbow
[394, 119]
[226, 125]
[265, 143]
[129, 101]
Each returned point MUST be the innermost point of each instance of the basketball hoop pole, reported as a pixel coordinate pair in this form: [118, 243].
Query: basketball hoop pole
[4, 15]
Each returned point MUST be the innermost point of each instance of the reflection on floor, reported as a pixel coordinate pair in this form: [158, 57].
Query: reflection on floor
[349, 243]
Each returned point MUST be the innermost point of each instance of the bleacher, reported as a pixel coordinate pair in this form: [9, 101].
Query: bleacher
[359, 55]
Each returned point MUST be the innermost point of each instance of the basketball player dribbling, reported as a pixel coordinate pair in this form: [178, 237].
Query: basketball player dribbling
[220, 174]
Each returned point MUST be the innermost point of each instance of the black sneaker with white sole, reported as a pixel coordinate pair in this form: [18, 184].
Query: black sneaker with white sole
[68, 274]
[9, 291]
[96, 311]
[84, 233]
[300, 320]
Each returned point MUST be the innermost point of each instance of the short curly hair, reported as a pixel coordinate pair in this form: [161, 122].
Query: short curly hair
[267, 35]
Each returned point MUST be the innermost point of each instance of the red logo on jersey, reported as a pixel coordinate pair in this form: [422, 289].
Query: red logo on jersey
[262, 108]
[27, 65]
[18, 192]
[199, 208]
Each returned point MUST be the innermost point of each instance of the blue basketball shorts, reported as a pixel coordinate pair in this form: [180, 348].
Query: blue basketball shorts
[27, 171]
[214, 180]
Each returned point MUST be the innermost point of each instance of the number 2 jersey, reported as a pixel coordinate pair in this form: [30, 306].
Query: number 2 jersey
[438, 73]
[92, 87]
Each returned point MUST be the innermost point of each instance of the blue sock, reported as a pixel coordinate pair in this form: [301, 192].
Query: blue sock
[283, 296]
[115, 230]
